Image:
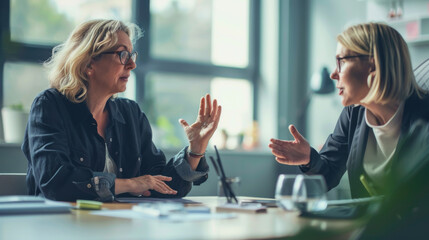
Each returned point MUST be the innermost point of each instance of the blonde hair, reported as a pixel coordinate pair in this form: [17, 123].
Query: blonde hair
[394, 78]
[69, 60]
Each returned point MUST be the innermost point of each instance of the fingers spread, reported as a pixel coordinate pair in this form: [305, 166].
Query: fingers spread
[162, 187]
[279, 153]
[183, 123]
[216, 117]
[298, 137]
[208, 105]
[214, 109]
[163, 178]
[202, 106]
[281, 143]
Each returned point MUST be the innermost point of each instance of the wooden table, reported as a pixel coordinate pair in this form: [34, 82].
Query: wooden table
[82, 225]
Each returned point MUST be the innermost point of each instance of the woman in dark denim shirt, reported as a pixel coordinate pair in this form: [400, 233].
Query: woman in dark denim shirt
[82, 142]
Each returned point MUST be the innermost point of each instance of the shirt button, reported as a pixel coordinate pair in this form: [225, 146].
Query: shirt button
[120, 169]
[89, 185]
[111, 140]
[138, 159]
[81, 159]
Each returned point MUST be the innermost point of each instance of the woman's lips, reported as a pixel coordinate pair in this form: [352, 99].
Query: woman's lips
[124, 78]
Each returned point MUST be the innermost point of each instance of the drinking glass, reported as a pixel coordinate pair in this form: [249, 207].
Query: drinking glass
[284, 191]
[234, 183]
[309, 193]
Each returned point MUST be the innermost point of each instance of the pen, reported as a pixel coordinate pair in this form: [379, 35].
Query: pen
[367, 186]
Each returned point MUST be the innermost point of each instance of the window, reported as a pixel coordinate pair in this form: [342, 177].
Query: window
[189, 48]
[206, 31]
[50, 22]
[198, 47]
[22, 82]
[173, 96]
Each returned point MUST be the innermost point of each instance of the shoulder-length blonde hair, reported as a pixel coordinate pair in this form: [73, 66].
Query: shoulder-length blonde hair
[394, 78]
[69, 60]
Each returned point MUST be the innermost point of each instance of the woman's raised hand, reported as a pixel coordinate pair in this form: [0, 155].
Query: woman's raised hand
[295, 152]
[200, 132]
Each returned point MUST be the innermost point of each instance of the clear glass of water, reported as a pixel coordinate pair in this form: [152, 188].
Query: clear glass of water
[301, 192]
[284, 191]
[309, 193]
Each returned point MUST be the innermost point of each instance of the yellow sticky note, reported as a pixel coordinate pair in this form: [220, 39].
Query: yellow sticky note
[88, 204]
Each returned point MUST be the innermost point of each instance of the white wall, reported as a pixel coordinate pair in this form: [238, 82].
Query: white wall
[328, 18]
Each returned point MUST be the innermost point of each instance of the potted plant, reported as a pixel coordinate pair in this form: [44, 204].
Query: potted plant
[14, 122]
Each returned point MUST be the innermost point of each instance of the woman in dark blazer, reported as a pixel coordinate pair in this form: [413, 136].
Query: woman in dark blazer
[382, 100]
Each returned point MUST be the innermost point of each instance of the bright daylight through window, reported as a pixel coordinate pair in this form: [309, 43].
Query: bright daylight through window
[199, 34]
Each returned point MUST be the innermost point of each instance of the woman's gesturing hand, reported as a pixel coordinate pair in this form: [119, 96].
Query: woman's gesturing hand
[295, 152]
[200, 132]
[141, 185]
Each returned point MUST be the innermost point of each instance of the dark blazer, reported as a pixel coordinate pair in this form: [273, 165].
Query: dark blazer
[66, 155]
[345, 147]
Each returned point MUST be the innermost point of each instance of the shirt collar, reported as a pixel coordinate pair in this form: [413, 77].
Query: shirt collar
[80, 112]
[115, 114]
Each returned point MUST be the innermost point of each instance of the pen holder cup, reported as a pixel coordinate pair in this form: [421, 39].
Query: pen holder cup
[234, 184]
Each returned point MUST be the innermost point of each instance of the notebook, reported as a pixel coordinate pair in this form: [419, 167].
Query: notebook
[13, 205]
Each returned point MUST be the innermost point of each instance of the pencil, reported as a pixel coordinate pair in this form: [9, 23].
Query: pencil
[367, 186]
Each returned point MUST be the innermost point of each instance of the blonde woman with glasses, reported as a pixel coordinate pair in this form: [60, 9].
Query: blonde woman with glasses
[382, 100]
[83, 142]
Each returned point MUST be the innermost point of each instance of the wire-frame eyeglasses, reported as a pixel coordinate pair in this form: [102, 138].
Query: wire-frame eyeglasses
[340, 62]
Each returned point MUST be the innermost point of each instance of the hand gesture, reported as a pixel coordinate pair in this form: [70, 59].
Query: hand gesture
[295, 152]
[141, 185]
[200, 132]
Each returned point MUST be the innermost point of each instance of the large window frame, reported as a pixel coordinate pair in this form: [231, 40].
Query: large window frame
[12, 51]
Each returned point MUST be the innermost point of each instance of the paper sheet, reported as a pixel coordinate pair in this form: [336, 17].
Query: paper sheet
[126, 213]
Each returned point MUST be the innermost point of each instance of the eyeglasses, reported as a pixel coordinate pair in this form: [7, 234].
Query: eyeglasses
[124, 56]
[340, 63]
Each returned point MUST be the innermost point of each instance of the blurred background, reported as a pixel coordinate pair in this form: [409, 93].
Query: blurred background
[266, 61]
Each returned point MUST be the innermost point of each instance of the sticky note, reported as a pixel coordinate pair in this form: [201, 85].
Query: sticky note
[88, 204]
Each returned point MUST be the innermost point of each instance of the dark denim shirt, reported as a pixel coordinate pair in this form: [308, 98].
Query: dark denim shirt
[66, 155]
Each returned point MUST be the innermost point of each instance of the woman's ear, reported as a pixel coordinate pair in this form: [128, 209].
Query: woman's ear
[370, 79]
[372, 65]
[89, 70]
[89, 67]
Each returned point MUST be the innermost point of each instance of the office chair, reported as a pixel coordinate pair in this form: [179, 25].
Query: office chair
[13, 184]
[421, 72]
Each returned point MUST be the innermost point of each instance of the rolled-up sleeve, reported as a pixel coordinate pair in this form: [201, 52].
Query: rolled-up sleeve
[104, 184]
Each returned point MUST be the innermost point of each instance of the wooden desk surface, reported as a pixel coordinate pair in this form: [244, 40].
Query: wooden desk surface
[81, 225]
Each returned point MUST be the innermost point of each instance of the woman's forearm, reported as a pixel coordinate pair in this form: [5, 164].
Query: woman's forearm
[122, 185]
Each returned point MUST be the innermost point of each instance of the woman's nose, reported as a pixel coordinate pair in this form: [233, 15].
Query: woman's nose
[334, 75]
[131, 64]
